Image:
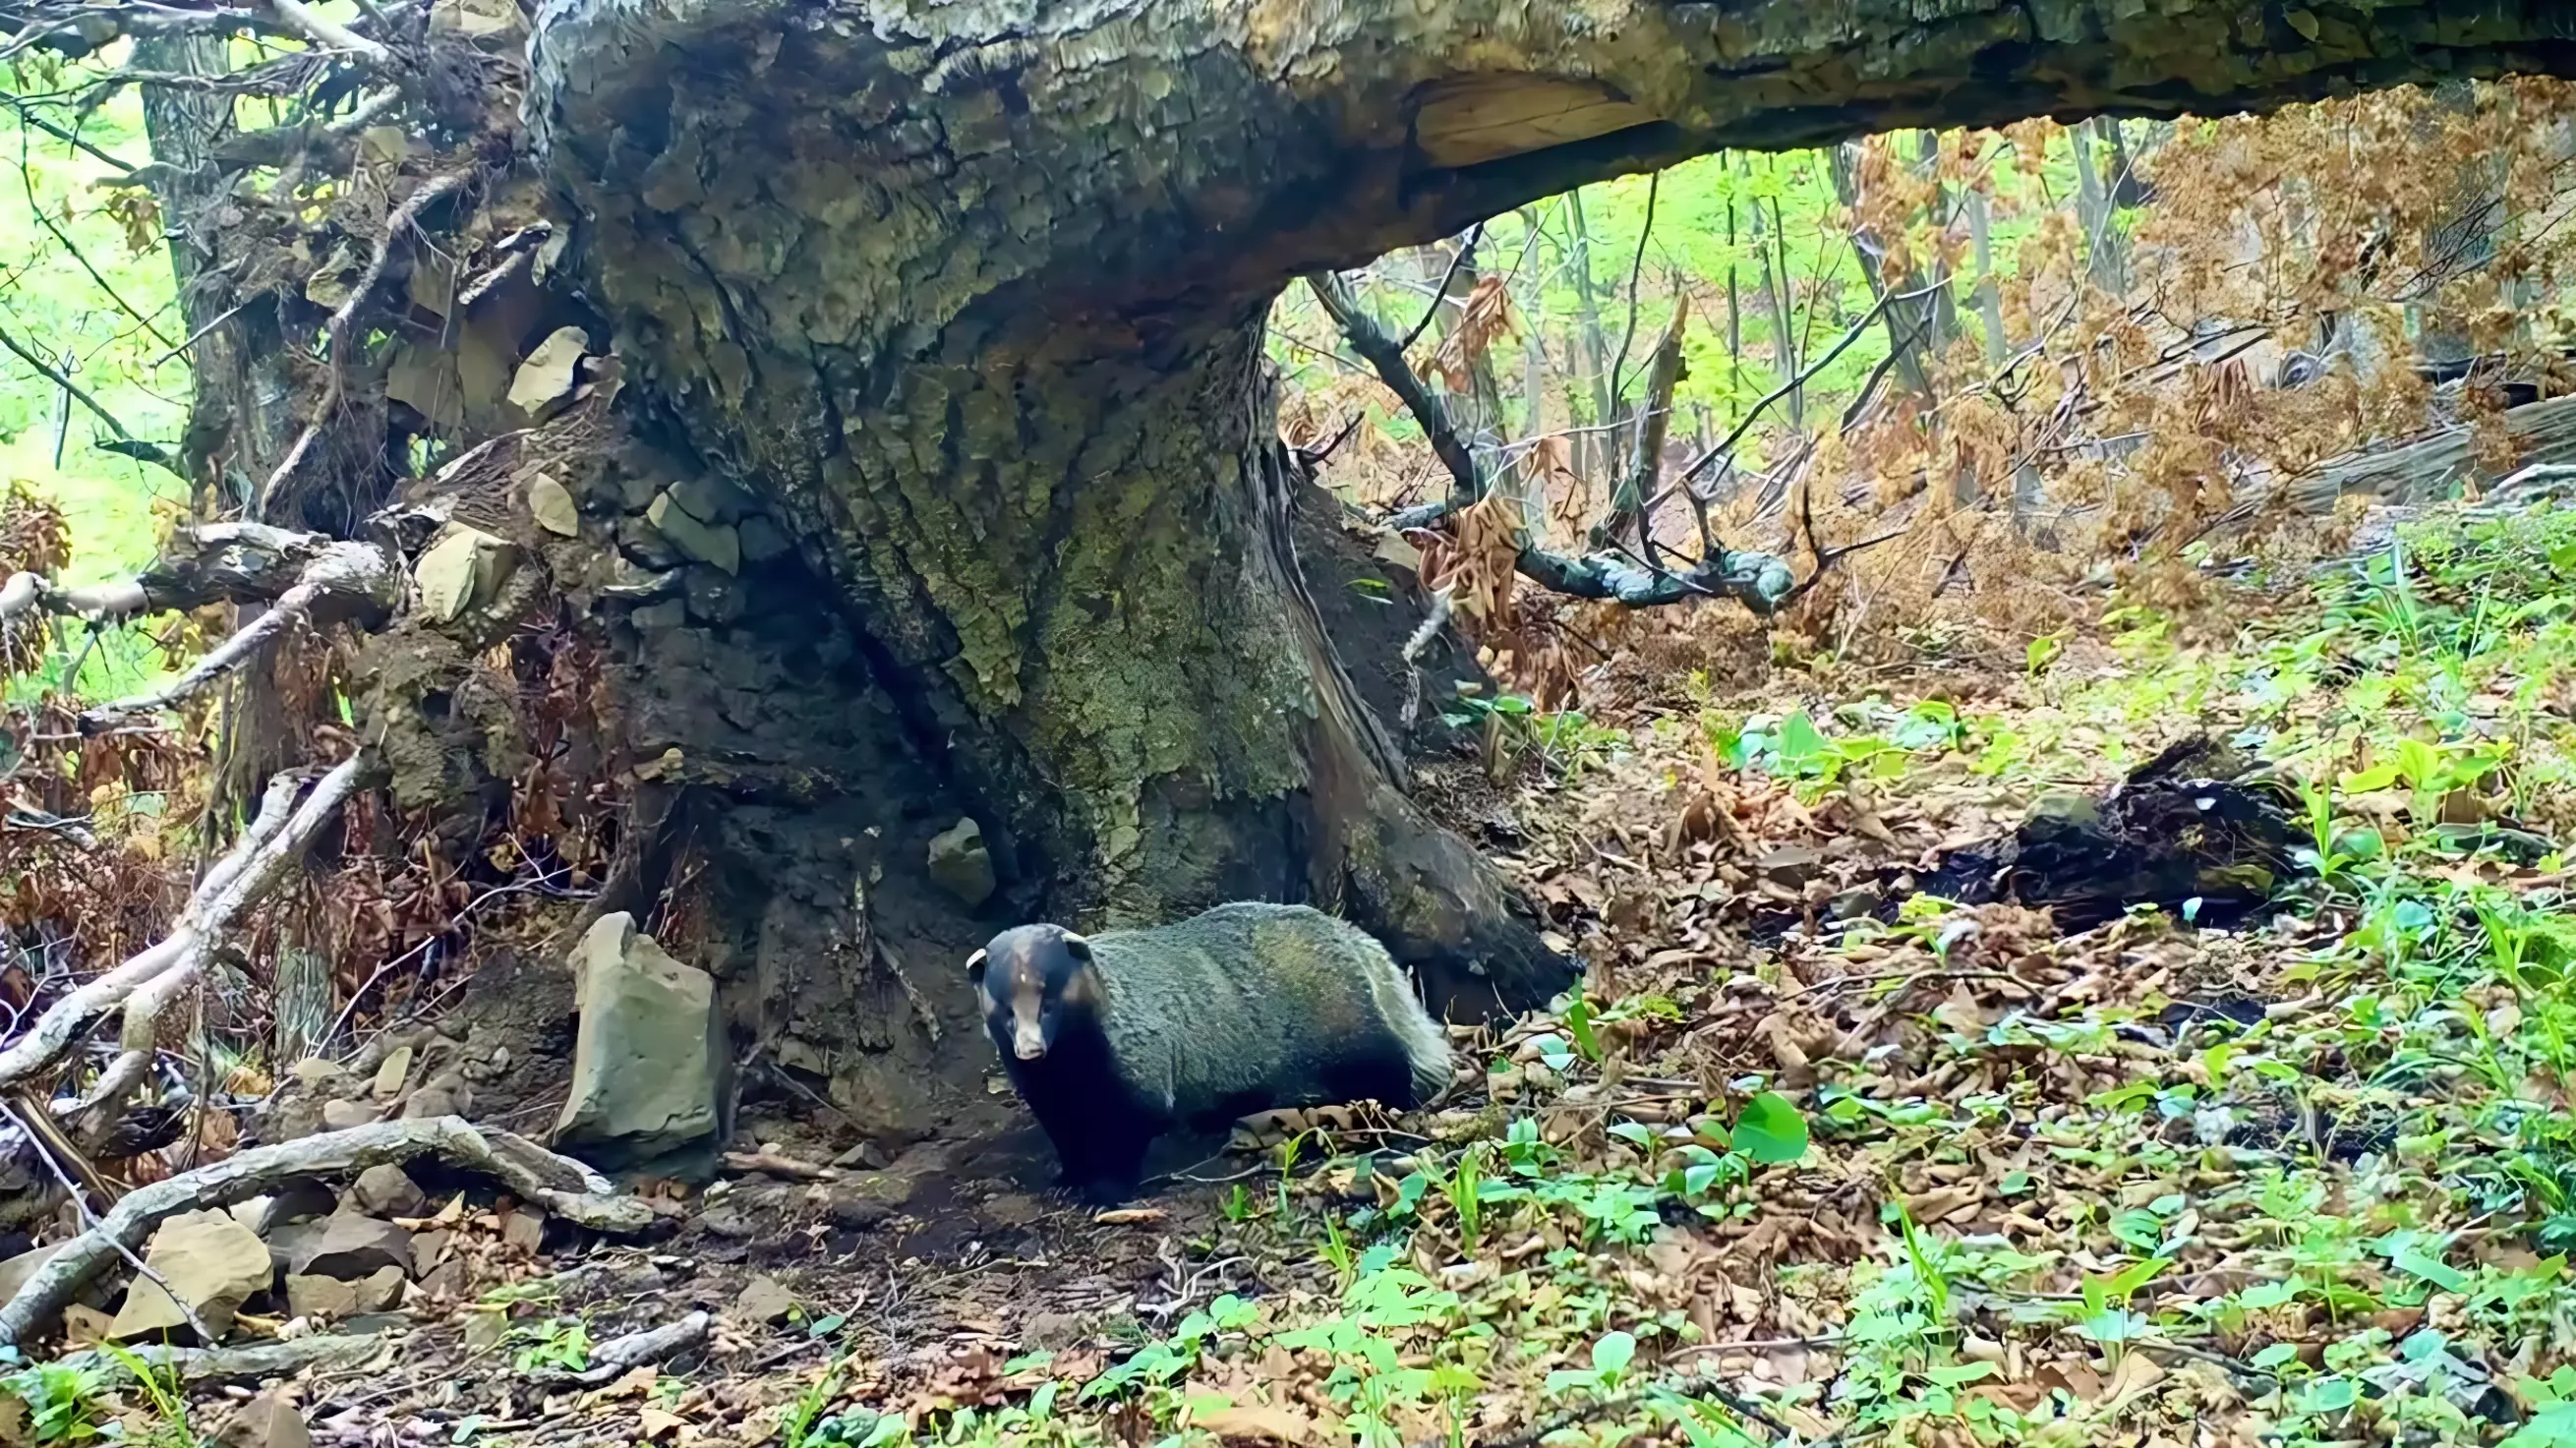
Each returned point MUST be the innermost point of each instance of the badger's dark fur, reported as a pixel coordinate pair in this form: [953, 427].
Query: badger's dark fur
[1115, 1039]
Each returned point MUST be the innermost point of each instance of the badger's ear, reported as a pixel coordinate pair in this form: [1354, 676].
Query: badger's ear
[1076, 946]
[975, 969]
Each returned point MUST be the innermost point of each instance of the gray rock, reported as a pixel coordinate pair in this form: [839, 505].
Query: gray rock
[960, 863]
[646, 545]
[428, 1249]
[341, 1115]
[637, 488]
[385, 1190]
[711, 543]
[858, 1211]
[629, 582]
[725, 1222]
[644, 1055]
[1790, 865]
[314, 1070]
[1853, 903]
[762, 1300]
[15, 1272]
[446, 1281]
[866, 1154]
[762, 539]
[267, 1421]
[294, 1202]
[551, 504]
[328, 1298]
[353, 1246]
[669, 614]
[380, 1289]
[713, 499]
[524, 1229]
[429, 1101]
[714, 596]
[484, 1330]
[293, 1242]
[213, 1262]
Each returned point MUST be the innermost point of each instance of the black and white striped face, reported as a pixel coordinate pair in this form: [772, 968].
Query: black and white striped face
[1027, 978]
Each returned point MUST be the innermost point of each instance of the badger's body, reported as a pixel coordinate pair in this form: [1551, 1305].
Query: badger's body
[1115, 1039]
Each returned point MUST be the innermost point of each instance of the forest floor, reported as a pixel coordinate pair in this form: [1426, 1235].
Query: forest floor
[1921, 1174]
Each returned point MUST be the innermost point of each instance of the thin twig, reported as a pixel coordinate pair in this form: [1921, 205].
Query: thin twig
[1465, 258]
[1636, 271]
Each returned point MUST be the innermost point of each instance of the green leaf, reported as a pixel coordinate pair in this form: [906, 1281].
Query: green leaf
[1770, 1130]
[1800, 741]
[825, 1326]
[2413, 1258]
[1578, 1022]
[1614, 1352]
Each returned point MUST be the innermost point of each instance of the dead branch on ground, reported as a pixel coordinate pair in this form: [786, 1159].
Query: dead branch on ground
[561, 1186]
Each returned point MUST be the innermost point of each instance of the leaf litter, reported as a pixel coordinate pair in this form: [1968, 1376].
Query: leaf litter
[1814, 1154]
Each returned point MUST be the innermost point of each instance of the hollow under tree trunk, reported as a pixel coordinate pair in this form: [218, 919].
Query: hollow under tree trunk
[970, 295]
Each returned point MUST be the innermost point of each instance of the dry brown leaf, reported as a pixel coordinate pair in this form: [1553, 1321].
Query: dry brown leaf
[1261, 1423]
[1129, 1216]
[2134, 1378]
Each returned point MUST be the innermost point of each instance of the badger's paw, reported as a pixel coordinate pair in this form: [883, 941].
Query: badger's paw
[1098, 1191]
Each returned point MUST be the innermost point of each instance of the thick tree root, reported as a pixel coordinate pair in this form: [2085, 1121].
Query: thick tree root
[563, 1187]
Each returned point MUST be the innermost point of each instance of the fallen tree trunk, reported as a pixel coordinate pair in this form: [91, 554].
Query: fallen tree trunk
[562, 1186]
[2436, 467]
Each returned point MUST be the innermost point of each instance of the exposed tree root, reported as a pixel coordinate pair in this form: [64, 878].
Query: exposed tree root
[562, 1186]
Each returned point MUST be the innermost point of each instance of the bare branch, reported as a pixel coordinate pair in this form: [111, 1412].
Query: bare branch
[563, 1187]
[1757, 580]
[133, 447]
[245, 876]
[330, 34]
[1381, 353]
[342, 574]
[1465, 258]
[1726, 445]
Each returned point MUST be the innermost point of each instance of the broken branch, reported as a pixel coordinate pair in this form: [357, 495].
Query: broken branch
[563, 1187]
[241, 879]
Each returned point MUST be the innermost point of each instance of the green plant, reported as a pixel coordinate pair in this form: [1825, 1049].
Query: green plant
[1612, 1353]
[167, 1393]
[557, 1343]
[64, 1401]
[1464, 1188]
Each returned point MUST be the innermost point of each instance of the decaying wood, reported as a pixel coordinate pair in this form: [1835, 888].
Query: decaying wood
[220, 563]
[563, 1187]
[2434, 467]
[770, 1163]
[253, 1361]
[653, 1344]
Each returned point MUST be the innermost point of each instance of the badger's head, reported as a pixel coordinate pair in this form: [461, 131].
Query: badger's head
[1029, 979]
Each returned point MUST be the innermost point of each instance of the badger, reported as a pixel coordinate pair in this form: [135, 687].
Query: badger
[1114, 1039]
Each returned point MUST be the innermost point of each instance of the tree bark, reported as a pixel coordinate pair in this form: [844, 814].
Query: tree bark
[970, 295]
